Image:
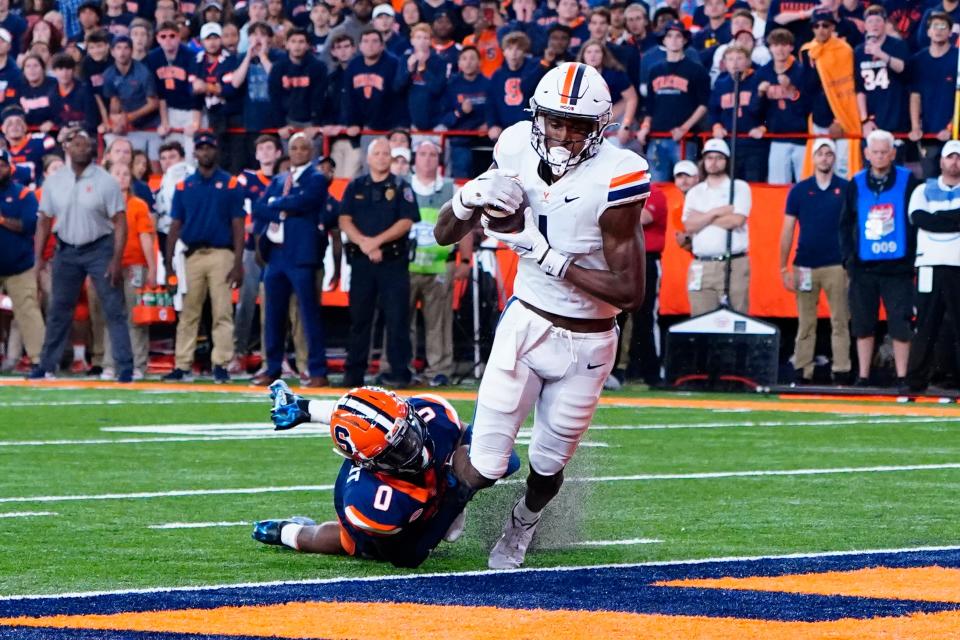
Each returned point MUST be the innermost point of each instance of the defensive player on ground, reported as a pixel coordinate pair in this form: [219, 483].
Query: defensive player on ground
[582, 262]
[397, 461]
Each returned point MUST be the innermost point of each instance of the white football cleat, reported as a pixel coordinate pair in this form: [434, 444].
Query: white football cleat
[511, 548]
[456, 527]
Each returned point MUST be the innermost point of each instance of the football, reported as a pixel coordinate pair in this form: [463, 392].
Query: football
[505, 221]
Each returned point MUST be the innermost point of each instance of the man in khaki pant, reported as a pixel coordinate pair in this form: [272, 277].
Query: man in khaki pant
[18, 222]
[207, 215]
[709, 217]
[815, 204]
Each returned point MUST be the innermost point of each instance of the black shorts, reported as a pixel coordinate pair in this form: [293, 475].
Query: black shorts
[866, 291]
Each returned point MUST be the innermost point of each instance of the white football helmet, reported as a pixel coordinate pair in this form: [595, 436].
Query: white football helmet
[572, 90]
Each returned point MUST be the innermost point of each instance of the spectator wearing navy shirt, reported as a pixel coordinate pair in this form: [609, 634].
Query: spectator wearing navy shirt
[638, 34]
[375, 82]
[74, 103]
[11, 80]
[212, 78]
[524, 21]
[627, 56]
[252, 79]
[318, 31]
[569, 15]
[18, 277]
[385, 21]
[428, 74]
[511, 85]
[430, 8]
[298, 85]
[207, 215]
[795, 16]
[93, 65]
[171, 64]
[751, 152]
[716, 31]
[443, 43]
[933, 72]
[786, 108]
[344, 149]
[678, 91]
[15, 24]
[26, 149]
[38, 94]
[117, 19]
[741, 25]
[129, 89]
[880, 64]
[815, 205]
[89, 14]
[358, 19]
[949, 7]
[298, 11]
[465, 110]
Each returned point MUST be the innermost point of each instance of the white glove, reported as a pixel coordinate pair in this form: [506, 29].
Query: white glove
[497, 188]
[530, 243]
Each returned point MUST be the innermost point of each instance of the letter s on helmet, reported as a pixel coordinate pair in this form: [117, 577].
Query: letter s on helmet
[379, 431]
[572, 90]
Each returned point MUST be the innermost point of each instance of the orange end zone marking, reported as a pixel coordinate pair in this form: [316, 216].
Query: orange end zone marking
[391, 621]
[933, 584]
[838, 406]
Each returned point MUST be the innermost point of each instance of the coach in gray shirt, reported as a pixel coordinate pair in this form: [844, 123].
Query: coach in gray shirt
[88, 215]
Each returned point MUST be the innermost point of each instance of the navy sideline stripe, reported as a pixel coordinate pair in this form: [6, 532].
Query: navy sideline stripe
[624, 589]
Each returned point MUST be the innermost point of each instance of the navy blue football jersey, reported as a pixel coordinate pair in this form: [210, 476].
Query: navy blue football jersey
[372, 505]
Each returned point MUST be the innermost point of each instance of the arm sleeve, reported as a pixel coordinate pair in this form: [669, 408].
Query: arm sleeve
[791, 207]
[113, 198]
[408, 204]
[629, 182]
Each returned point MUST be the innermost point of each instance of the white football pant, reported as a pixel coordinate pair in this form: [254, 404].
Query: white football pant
[536, 364]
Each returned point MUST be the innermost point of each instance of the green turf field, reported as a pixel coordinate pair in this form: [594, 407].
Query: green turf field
[100, 541]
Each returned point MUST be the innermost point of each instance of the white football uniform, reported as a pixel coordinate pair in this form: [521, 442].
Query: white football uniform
[533, 363]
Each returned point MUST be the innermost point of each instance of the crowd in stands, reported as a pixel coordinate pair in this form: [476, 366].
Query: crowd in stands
[142, 77]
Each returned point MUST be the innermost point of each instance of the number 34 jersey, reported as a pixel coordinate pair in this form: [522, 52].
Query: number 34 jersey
[568, 213]
[373, 505]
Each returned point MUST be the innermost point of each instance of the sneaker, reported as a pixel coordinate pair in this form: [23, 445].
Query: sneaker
[220, 375]
[440, 380]
[178, 375]
[286, 370]
[24, 365]
[861, 382]
[511, 548]
[125, 377]
[108, 373]
[842, 378]
[237, 366]
[95, 371]
[611, 383]
[78, 367]
[138, 375]
[456, 527]
[37, 373]
[268, 531]
[390, 382]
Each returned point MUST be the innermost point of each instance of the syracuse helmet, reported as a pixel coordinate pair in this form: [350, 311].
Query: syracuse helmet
[379, 431]
[571, 91]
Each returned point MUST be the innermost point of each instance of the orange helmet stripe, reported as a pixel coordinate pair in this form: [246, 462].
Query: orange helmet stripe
[567, 84]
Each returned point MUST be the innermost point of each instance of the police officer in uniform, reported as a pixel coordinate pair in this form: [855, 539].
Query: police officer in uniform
[377, 212]
[291, 237]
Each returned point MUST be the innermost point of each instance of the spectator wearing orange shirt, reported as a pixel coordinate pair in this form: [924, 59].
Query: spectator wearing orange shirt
[139, 264]
[484, 37]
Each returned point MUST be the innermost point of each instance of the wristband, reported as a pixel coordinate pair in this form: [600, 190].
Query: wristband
[462, 211]
[553, 263]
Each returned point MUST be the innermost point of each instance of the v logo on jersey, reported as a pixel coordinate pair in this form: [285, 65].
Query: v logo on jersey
[569, 199]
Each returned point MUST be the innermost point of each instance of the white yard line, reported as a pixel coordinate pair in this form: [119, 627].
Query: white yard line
[485, 572]
[866, 421]
[197, 525]
[645, 477]
[27, 514]
[132, 401]
[616, 543]
[170, 494]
